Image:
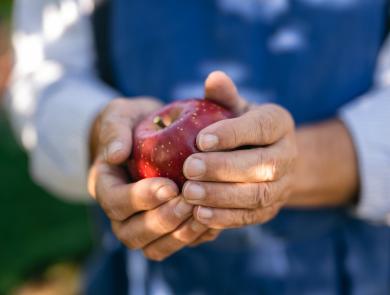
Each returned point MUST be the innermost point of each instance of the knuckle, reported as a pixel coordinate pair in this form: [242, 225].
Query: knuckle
[230, 165]
[273, 165]
[229, 198]
[108, 131]
[112, 211]
[289, 120]
[211, 236]
[281, 114]
[122, 235]
[163, 224]
[116, 104]
[259, 161]
[269, 213]
[107, 202]
[248, 217]
[234, 137]
[261, 167]
[133, 243]
[230, 219]
[264, 126]
[266, 198]
[226, 163]
[183, 236]
[217, 194]
[267, 167]
[154, 255]
[256, 197]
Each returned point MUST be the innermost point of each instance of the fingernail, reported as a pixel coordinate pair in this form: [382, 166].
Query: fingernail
[194, 192]
[194, 168]
[208, 141]
[114, 147]
[205, 213]
[196, 226]
[182, 209]
[166, 193]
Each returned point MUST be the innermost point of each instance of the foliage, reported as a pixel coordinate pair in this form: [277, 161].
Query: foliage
[36, 228]
[5, 8]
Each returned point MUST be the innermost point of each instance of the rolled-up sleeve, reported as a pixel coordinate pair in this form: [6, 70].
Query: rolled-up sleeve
[55, 93]
[368, 121]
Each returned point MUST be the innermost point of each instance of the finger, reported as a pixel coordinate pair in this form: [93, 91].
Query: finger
[261, 126]
[209, 236]
[121, 200]
[252, 165]
[237, 195]
[221, 89]
[142, 229]
[187, 233]
[234, 218]
[115, 127]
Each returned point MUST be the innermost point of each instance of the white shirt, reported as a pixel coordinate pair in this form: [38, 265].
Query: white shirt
[55, 94]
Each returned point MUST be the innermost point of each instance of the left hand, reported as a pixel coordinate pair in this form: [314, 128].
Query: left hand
[244, 174]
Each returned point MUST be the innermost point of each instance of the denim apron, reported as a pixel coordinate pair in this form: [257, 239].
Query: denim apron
[312, 57]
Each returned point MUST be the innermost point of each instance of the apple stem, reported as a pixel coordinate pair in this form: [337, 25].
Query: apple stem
[159, 122]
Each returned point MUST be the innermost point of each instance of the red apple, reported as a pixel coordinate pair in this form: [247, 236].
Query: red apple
[164, 140]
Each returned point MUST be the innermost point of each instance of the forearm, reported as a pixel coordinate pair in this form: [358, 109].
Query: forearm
[54, 95]
[327, 170]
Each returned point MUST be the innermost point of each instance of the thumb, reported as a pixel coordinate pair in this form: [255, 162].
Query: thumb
[222, 90]
[116, 123]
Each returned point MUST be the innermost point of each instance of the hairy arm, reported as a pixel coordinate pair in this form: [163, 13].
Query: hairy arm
[327, 169]
[347, 160]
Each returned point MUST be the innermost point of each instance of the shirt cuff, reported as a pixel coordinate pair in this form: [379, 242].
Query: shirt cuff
[60, 160]
[368, 121]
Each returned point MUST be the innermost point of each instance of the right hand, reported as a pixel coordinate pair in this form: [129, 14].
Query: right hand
[148, 214]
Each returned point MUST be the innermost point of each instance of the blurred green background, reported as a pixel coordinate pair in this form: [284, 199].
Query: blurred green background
[5, 8]
[37, 230]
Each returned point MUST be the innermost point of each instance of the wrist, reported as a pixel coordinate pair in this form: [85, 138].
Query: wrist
[326, 171]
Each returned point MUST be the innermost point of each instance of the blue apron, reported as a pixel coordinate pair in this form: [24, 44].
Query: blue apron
[312, 57]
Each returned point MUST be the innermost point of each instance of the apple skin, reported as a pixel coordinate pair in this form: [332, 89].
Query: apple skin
[160, 150]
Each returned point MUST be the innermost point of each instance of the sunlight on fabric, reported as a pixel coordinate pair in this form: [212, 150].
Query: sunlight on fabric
[23, 96]
[57, 18]
[23, 100]
[49, 72]
[382, 78]
[53, 26]
[287, 39]
[330, 3]
[29, 52]
[252, 10]
[29, 137]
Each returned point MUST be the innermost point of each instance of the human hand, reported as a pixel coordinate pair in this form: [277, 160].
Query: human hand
[147, 214]
[244, 174]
